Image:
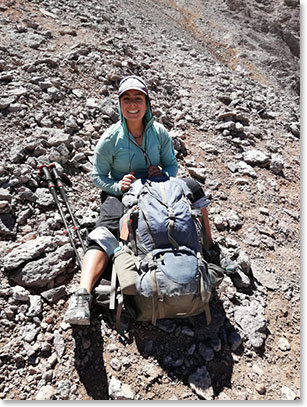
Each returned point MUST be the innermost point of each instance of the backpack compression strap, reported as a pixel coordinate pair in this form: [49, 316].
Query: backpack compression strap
[156, 294]
[205, 295]
[171, 216]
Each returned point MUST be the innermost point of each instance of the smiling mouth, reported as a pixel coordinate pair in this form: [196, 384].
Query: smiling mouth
[133, 111]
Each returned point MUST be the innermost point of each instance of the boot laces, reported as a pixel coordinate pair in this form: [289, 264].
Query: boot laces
[81, 300]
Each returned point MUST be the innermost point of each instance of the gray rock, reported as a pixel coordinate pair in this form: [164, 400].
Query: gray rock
[92, 103]
[233, 219]
[200, 382]
[206, 352]
[216, 344]
[219, 222]
[48, 376]
[30, 332]
[234, 340]
[277, 164]
[44, 197]
[27, 195]
[17, 154]
[109, 109]
[40, 272]
[213, 183]
[6, 102]
[243, 261]
[256, 157]
[20, 293]
[240, 279]
[30, 351]
[52, 137]
[71, 125]
[288, 394]
[55, 93]
[6, 76]
[59, 344]
[294, 127]
[54, 294]
[45, 84]
[198, 173]
[115, 364]
[18, 92]
[64, 389]
[187, 331]
[28, 251]
[52, 360]
[229, 125]
[36, 305]
[59, 154]
[283, 344]
[5, 195]
[252, 240]
[45, 393]
[264, 277]
[252, 321]
[120, 391]
[78, 93]
[242, 168]
[166, 325]
[209, 148]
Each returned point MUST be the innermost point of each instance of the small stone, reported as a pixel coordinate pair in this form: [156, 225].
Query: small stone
[64, 388]
[200, 382]
[257, 370]
[111, 347]
[45, 393]
[20, 293]
[59, 344]
[206, 352]
[283, 344]
[115, 364]
[78, 93]
[287, 393]
[223, 396]
[119, 390]
[261, 389]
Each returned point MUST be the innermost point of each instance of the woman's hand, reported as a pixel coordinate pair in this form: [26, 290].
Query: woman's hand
[126, 181]
[154, 171]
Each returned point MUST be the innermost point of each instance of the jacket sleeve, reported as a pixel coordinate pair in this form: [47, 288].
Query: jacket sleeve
[102, 166]
[168, 157]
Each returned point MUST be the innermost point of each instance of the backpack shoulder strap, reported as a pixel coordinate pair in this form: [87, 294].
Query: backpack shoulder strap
[171, 217]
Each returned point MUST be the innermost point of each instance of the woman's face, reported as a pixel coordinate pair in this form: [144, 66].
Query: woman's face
[133, 105]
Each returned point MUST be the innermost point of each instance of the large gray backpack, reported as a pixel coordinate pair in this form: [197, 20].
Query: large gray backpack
[159, 262]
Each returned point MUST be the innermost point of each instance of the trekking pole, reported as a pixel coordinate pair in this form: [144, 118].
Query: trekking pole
[44, 171]
[57, 178]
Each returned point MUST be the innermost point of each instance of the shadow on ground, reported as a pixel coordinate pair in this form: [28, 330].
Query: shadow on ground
[181, 346]
[89, 361]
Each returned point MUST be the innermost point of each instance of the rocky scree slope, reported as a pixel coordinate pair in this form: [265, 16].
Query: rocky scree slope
[234, 131]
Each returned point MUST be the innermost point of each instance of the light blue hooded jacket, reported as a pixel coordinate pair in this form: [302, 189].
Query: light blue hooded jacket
[118, 154]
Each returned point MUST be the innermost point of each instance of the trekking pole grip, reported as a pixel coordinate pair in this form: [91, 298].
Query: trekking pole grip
[55, 174]
[44, 171]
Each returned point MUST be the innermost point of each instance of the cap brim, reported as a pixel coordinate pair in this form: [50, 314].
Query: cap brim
[132, 88]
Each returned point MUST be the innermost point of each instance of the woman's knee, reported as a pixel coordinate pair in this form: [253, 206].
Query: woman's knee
[104, 239]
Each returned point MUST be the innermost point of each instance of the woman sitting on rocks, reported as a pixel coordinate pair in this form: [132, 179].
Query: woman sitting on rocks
[135, 147]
